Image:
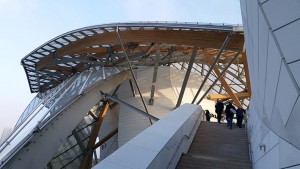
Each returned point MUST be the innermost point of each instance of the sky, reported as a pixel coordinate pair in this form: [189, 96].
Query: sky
[26, 24]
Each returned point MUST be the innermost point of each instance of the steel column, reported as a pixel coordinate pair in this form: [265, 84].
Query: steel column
[202, 70]
[132, 74]
[212, 66]
[186, 77]
[151, 101]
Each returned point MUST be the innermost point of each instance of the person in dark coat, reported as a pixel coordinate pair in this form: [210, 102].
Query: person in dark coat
[207, 114]
[230, 110]
[239, 116]
[219, 109]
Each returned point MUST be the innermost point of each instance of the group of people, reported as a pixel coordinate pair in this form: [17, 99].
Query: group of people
[230, 110]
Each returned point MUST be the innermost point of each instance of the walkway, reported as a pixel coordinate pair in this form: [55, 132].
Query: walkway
[215, 146]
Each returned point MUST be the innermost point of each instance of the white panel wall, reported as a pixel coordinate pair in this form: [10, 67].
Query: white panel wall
[168, 86]
[272, 34]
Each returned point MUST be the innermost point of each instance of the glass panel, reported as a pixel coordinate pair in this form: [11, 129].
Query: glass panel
[69, 154]
[49, 104]
[32, 105]
[29, 123]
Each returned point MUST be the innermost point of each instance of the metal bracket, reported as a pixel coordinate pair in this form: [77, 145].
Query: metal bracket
[108, 96]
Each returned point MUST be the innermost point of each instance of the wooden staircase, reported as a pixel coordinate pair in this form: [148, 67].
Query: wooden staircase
[216, 146]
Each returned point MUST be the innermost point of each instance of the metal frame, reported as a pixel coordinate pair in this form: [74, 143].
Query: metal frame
[157, 58]
[212, 66]
[85, 163]
[220, 76]
[186, 77]
[63, 52]
[108, 96]
[132, 74]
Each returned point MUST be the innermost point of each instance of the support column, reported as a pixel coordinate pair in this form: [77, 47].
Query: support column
[202, 70]
[151, 101]
[85, 163]
[132, 74]
[186, 77]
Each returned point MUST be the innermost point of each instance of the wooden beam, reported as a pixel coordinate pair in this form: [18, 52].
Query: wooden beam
[205, 39]
[107, 137]
[215, 97]
[223, 81]
[85, 163]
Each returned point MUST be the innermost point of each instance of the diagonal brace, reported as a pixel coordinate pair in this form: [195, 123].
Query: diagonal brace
[213, 65]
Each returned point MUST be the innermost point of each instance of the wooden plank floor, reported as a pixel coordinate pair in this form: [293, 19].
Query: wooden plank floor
[216, 146]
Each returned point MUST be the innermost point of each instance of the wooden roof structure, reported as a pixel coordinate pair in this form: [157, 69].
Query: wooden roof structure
[85, 48]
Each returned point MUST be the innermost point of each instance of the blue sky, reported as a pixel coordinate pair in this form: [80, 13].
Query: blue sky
[26, 24]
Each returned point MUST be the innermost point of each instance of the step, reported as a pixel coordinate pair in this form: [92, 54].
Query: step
[216, 146]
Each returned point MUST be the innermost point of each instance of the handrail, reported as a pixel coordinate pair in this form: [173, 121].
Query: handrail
[185, 136]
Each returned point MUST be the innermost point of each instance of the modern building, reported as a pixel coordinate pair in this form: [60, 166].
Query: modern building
[113, 96]
[272, 36]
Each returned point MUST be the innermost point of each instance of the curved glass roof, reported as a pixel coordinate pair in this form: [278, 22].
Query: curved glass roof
[80, 49]
[66, 66]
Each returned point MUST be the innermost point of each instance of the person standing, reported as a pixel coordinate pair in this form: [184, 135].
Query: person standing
[207, 114]
[219, 109]
[230, 109]
[239, 116]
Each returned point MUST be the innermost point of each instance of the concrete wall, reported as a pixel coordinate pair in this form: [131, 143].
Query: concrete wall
[272, 32]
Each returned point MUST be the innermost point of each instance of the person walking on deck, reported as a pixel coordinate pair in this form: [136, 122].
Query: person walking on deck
[239, 116]
[219, 109]
[207, 114]
[230, 110]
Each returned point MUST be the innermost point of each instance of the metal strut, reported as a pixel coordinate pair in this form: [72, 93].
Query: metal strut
[108, 96]
[187, 75]
[212, 66]
[132, 74]
[151, 101]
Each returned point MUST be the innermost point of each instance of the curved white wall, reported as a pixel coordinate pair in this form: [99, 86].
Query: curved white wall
[272, 32]
[168, 86]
